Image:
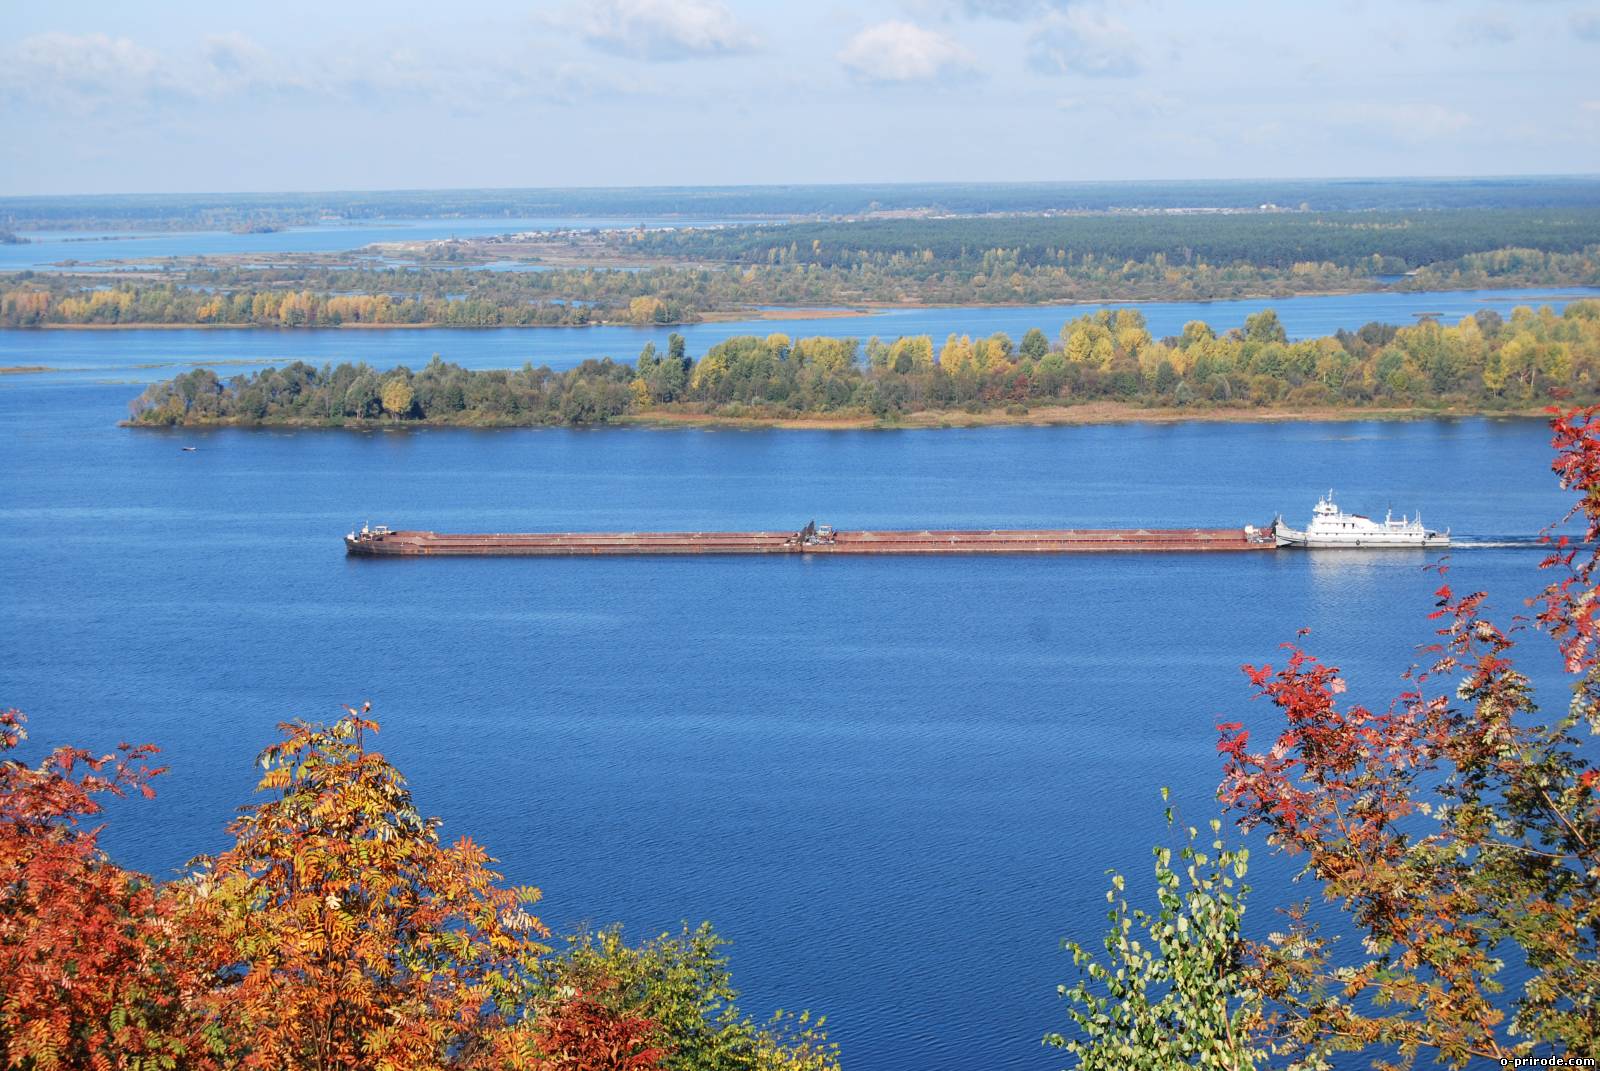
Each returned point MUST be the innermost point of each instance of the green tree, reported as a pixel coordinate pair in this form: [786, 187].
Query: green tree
[363, 398]
[680, 982]
[1264, 327]
[1169, 995]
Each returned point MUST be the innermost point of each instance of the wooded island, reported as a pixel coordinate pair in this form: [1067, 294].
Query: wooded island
[1484, 363]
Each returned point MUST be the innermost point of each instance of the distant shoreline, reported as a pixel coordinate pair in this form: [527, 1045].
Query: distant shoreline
[1090, 413]
[1543, 294]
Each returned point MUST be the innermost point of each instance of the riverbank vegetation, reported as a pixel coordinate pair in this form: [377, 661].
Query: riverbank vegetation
[1379, 242]
[337, 930]
[1483, 363]
[1456, 831]
[643, 276]
[311, 296]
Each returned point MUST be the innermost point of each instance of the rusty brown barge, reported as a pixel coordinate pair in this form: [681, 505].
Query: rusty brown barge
[812, 539]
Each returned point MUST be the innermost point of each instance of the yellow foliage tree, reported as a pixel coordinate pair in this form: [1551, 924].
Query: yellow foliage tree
[398, 396]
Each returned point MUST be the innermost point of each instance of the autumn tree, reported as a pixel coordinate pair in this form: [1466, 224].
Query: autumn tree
[398, 396]
[91, 974]
[345, 934]
[592, 1031]
[680, 983]
[1457, 831]
[913, 353]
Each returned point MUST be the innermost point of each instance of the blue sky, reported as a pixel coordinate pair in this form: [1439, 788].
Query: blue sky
[352, 94]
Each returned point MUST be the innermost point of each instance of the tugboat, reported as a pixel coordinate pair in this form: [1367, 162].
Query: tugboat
[1332, 527]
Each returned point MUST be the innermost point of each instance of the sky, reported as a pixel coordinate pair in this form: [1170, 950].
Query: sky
[175, 96]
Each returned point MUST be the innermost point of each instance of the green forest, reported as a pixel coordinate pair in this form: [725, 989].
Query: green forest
[1483, 363]
[1379, 241]
[226, 210]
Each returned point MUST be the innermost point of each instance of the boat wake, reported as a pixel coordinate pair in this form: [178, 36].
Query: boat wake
[1504, 542]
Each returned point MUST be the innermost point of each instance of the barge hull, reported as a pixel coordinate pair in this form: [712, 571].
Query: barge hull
[1014, 541]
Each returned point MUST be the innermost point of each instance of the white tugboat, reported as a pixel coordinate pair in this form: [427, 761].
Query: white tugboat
[1332, 527]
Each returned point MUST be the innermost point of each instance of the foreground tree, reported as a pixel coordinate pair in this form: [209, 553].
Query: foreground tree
[1175, 998]
[91, 973]
[594, 1031]
[679, 983]
[1458, 831]
[343, 933]
[338, 932]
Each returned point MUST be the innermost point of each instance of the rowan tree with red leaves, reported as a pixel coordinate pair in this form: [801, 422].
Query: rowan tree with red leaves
[339, 932]
[1457, 830]
[91, 975]
[593, 1031]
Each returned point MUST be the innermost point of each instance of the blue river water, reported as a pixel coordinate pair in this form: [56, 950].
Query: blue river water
[143, 355]
[894, 784]
[47, 249]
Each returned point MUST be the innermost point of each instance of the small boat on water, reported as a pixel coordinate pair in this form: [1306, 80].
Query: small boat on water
[1331, 527]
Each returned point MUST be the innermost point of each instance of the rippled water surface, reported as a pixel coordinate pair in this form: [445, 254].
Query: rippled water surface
[895, 784]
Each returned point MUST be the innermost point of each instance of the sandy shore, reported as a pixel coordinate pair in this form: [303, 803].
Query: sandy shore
[1057, 415]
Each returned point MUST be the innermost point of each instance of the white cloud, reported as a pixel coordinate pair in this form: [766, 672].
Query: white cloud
[665, 29]
[95, 74]
[904, 52]
[79, 73]
[1084, 41]
[1586, 24]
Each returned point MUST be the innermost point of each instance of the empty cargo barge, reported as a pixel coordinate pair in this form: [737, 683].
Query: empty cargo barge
[379, 541]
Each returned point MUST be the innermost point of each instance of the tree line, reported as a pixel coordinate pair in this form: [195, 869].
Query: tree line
[1484, 362]
[41, 301]
[308, 296]
[336, 930]
[222, 211]
[1375, 242]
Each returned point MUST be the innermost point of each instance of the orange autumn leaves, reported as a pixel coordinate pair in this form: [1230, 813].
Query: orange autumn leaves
[338, 931]
[84, 944]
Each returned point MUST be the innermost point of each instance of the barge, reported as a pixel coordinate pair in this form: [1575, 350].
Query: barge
[379, 541]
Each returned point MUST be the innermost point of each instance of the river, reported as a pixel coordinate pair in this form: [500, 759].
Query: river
[92, 249]
[895, 784]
